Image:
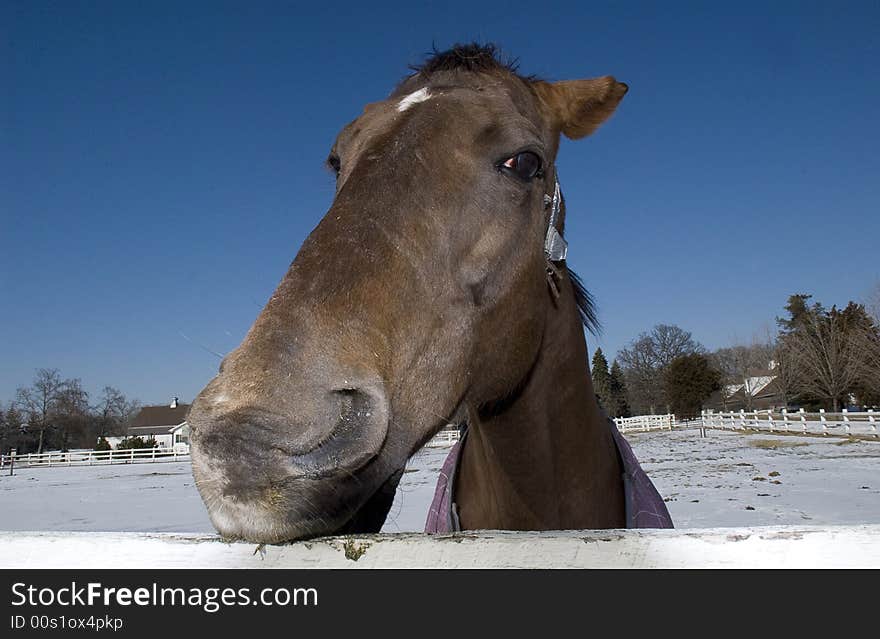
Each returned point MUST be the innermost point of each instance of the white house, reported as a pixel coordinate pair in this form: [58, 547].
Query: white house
[166, 424]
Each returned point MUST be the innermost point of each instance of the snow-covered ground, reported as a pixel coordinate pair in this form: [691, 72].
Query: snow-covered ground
[724, 479]
[730, 479]
[137, 497]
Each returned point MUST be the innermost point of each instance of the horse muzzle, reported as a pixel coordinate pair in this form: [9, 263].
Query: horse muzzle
[268, 476]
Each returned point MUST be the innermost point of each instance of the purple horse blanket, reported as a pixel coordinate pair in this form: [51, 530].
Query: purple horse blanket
[645, 507]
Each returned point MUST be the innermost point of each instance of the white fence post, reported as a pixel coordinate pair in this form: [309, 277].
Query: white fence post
[872, 422]
[742, 418]
[846, 421]
[770, 419]
[803, 421]
[824, 421]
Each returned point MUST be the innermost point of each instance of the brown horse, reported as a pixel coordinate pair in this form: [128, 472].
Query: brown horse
[433, 291]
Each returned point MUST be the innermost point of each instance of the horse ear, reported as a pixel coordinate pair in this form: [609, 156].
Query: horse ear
[578, 107]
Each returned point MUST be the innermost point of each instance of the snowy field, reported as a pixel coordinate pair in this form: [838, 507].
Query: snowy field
[724, 479]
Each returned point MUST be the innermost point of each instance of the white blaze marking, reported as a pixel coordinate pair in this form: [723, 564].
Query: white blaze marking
[413, 98]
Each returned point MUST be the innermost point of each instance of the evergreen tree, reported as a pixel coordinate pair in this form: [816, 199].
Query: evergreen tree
[11, 431]
[690, 379]
[617, 387]
[5, 430]
[832, 354]
[799, 312]
[601, 380]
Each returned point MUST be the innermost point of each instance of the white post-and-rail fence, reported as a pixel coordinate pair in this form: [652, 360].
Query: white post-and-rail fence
[854, 546]
[842, 424]
[446, 437]
[94, 457]
[644, 423]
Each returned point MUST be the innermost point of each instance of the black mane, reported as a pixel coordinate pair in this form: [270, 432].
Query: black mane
[586, 305]
[485, 58]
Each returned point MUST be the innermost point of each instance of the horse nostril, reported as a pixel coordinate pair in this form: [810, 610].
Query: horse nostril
[351, 415]
[353, 434]
[353, 405]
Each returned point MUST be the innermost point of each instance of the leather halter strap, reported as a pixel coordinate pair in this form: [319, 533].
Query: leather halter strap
[555, 246]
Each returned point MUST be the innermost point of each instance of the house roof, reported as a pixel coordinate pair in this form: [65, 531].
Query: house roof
[765, 391]
[157, 420]
[149, 431]
[758, 384]
[770, 389]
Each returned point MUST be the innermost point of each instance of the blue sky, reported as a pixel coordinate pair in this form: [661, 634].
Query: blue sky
[161, 163]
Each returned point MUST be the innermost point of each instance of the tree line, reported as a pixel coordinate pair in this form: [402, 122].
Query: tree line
[819, 358]
[54, 413]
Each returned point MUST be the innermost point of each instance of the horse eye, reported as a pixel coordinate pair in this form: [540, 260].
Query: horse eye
[525, 165]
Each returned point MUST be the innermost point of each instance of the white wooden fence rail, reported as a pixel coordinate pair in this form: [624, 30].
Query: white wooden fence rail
[758, 547]
[446, 437]
[645, 423]
[842, 424]
[94, 457]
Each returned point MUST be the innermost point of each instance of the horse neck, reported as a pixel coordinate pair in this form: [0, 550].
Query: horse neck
[549, 460]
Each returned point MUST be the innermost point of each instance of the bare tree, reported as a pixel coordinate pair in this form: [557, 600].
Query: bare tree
[866, 336]
[39, 399]
[114, 411]
[740, 363]
[671, 342]
[872, 303]
[72, 415]
[786, 370]
[645, 361]
[643, 378]
[826, 355]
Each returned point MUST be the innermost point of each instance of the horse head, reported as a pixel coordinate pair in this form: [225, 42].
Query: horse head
[421, 295]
